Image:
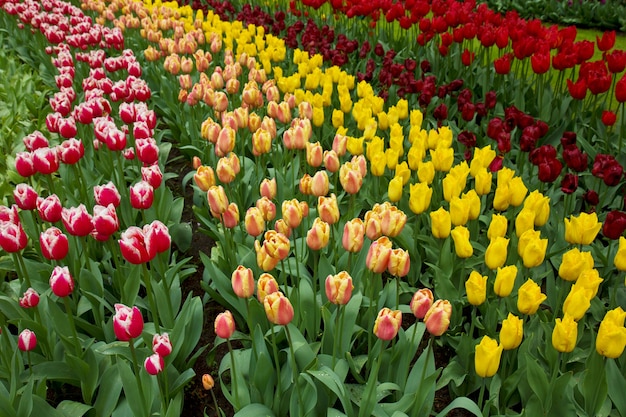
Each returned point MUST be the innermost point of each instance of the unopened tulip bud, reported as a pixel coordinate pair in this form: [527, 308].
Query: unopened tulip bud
[339, 288]
[61, 282]
[154, 364]
[487, 359]
[278, 308]
[328, 209]
[387, 323]
[218, 202]
[267, 208]
[30, 299]
[318, 236]
[161, 344]
[255, 224]
[437, 318]
[207, 382]
[224, 325]
[268, 188]
[242, 281]
[127, 322]
[399, 262]
[353, 232]
[27, 340]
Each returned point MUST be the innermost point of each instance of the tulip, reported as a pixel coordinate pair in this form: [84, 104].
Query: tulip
[331, 161]
[276, 244]
[512, 332]
[265, 285]
[473, 201]
[320, 184]
[105, 219]
[30, 299]
[387, 323]
[268, 188]
[49, 208]
[339, 288]
[27, 340]
[620, 256]
[254, 221]
[565, 334]
[462, 245]
[497, 227]
[161, 344]
[524, 221]
[576, 303]
[263, 259]
[483, 181]
[378, 255]
[134, 247]
[392, 220]
[540, 205]
[441, 223]
[218, 202]
[505, 280]
[77, 221]
[328, 209]
[224, 325]
[589, 280]
[314, 154]
[230, 218]
[141, 195]
[420, 195]
[394, 191]
[106, 194]
[350, 177]
[267, 208]
[278, 308]
[582, 230]
[373, 225]
[157, 237]
[496, 253]
[261, 142]
[611, 338]
[12, 236]
[242, 281]
[152, 175]
[352, 239]
[426, 172]
[399, 262]
[442, 158]
[319, 234]
[207, 382]
[127, 322]
[292, 213]
[529, 297]
[45, 160]
[459, 211]
[574, 262]
[532, 248]
[61, 282]
[54, 244]
[437, 318]
[487, 358]
[25, 196]
[421, 302]
[476, 288]
[225, 170]
[154, 364]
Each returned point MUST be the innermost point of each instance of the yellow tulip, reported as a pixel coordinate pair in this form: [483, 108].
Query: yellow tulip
[529, 297]
[394, 191]
[574, 262]
[611, 338]
[620, 257]
[518, 191]
[487, 357]
[440, 223]
[576, 303]
[540, 205]
[512, 332]
[589, 280]
[459, 211]
[462, 245]
[378, 163]
[496, 253]
[582, 230]
[565, 334]
[476, 288]
[483, 181]
[534, 250]
[505, 280]
[420, 195]
[415, 156]
[497, 227]
[426, 172]
[481, 160]
[524, 221]
[474, 204]
[442, 158]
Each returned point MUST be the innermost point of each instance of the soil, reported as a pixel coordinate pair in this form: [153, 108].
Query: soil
[198, 401]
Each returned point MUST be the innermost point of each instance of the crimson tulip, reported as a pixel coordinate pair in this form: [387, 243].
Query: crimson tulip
[54, 244]
[61, 281]
[127, 322]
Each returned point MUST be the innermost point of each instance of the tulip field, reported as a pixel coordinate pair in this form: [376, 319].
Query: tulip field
[414, 208]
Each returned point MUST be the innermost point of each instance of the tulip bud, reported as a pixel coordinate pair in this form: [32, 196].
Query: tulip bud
[320, 184]
[30, 299]
[77, 221]
[476, 288]
[161, 344]
[230, 218]
[49, 208]
[582, 230]
[242, 281]
[565, 334]
[387, 323]
[373, 225]
[441, 223]
[576, 303]
[27, 340]
[207, 382]
[157, 237]
[105, 219]
[399, 262]
[218, 202]
[378, 255]
[268, 188]
[496, 253]
[339, 288]
[512, 332]
[487, 358]
[421, 302]
[12, 237]
[61, 282]
[611, 338]
[267, 208]
[255, 224]
[127, 322]
[328, 209]
[497, 227]
[54, 244]
[292, 213]
[25, 196]
[141, 195]
[462, 245]
[106, 194]
[529, 297]
[620, 256]
[134, 247]
[437, 318]
[331, 161]
[152, 175]
[224, 325]
[420, 195]
[393, 220]
[278, 308]
[263, 259]
[154, 364]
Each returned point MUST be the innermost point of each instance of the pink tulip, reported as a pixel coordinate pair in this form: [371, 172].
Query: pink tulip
[147, 150]
[25, 164]
[224, 325]
[35, 140]
[30, 299]
[49, 208]
[70, 151]
[77, 221]
[421, 302]
[157, 237]
[127, 322]
[25, 196]
[61, 282]
[133, 246]
[161, 344]
[141, 195]
[105, 219]
[54, 244]
[106, 194]
[45, 160]
[242, 281]
[152, 175]
[12, 237]
[154, 364]
[27, 340]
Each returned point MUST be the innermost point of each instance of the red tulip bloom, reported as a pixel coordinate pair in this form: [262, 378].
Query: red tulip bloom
[12, 236]
[502, 65]
[127, 322]
[616, 61]
[77, 220]
[25, 164]
[578, 90]
[61, 281]
[620, 90]
[54, 244]
[569, 184]
[27, 340]
[70, 151]
[608, 118]
[35, 141]
[45, 160]
[540, 62]
[614, 225]
[25, 196]
[607, 41]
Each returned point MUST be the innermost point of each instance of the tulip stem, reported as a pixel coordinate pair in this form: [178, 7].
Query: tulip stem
[30, 368]
[70, 317]
[338, 333]
[429, 348]
[294, 366]
[133, 354]
[153, 307]
[233, 376]
[481, 395]
[278, 393]
[21, 267]
[164, 391]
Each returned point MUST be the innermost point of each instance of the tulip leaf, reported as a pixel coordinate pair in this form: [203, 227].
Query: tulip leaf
[537, 380]
[254, 410]
[73, 408]
[175, 406]
[463, 403]
[332, 381]
[593, 383]
[181, 381]
[108, 392]
[181, 236]
[25, 405]
[616, 386]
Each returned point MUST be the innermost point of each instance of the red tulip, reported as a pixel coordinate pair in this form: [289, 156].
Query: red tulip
[27, 340]
[154, 364]
[77, 221]
[157, 237]
[105, 219]
[25, 196]
[147, 151]
[25, 164]
[35, 141]
[127, 322]
[608, 118]
[134, 247]
[45, 160]
[12, 236]
[70, 151]
[54, 244]
[106, 194]
[152, 175]
[141, 195]
[161, 344]
[540, 62]
[30, 299]
[607, 41]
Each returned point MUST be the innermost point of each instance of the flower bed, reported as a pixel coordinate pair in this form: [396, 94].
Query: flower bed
[472, 181]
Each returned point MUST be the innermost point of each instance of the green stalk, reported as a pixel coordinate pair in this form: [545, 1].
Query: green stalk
[21, 266]
[278, 393]
[70, 316]
[294, 366]
[428, 353]
[133, 354]
[153, 307]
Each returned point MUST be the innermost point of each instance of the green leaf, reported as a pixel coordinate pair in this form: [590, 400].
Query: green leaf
[537, 380]
[131, 390]
[593, 384]
[332, 381]
[181, 381]
[181, 236]
[109, 392]
[255, 410]
[616, 386]
[73, 408]
[462, 403]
